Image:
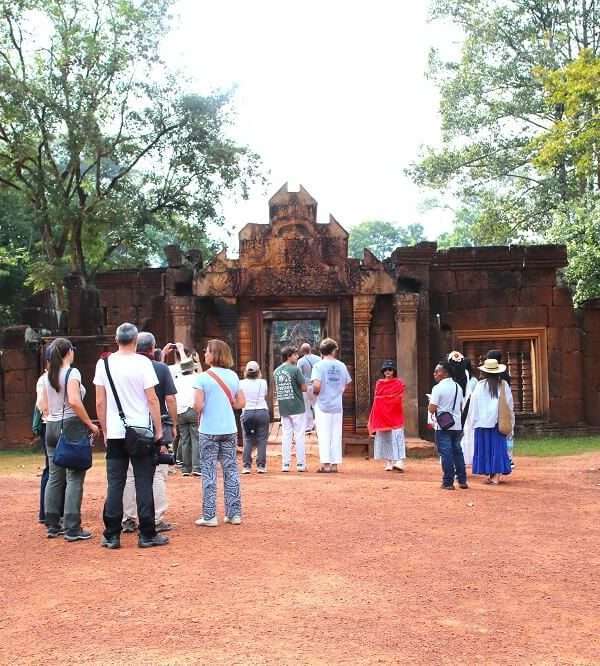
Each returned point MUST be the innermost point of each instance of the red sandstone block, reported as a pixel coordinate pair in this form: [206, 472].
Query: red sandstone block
[504, 279]
[471, 280]
[465, 300]
[572, 376]
[19, 405]
[534, 315]
[539, 277]
[554, 338]
[535, 296]
[15, 359]
[562, 296]
[571, 339]
[566, 411]
[508, 296]
[443, 281]
[481, 318]
[561, 316]
[438, 302]
[18, 431]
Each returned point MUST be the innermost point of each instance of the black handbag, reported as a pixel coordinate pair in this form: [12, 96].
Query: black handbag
[139, 440]
[445, 419]
[69, 453]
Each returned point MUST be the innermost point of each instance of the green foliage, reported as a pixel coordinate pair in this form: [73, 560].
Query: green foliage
[107, 149]
[519, 111]
[574, 139]
[381, 238]
[16, 245]
[578, 227]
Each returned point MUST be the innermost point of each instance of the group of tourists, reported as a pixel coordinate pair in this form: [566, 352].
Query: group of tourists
[152, 415]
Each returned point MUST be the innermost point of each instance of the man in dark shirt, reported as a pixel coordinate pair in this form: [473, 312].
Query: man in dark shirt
[165, 392]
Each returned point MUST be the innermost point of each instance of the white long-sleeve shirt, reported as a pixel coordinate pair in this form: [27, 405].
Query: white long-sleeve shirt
[483, 411]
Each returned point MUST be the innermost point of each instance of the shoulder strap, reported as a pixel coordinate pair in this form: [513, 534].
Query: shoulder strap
[114, 391]
[62, 418]
[455, 395]
[222, 384]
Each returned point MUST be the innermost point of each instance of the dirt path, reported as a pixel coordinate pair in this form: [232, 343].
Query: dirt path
[363, 567]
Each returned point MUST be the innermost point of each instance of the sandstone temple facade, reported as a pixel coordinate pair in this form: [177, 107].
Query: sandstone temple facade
[294, 282]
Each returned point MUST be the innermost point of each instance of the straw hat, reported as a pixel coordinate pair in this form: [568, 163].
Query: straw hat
[492, 367]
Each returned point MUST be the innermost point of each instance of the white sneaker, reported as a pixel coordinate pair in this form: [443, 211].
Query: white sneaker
[213, 522]
[261, 470]
[285, 468]
[234, 520]
[246, 470]
[301, 468]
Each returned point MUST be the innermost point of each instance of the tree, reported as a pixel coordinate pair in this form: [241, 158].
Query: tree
[16, 243]
[102, 144]
[494, 106]
[381, 238]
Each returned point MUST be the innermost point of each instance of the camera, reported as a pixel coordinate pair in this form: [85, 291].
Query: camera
[165, 459]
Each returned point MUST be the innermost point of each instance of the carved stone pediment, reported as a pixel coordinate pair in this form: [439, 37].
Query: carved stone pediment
[293, 255]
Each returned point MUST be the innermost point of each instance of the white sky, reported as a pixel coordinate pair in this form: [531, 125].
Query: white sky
[331, 94]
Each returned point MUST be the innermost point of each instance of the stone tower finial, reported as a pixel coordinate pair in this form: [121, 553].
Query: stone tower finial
[286, 205]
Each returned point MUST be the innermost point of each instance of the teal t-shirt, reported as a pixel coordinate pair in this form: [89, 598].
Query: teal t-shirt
[288, 382]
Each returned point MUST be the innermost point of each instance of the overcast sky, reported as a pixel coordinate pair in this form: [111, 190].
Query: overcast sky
[331, 94]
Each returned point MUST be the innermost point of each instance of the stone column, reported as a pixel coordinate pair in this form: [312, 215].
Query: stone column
[406, 307]
[227, 314]
[182, 313]
[362, 313]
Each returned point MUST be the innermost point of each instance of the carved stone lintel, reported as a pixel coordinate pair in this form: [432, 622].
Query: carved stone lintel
[406, 306]
[363, 311]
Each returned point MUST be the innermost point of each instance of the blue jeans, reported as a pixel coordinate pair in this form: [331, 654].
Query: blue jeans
[453, 462]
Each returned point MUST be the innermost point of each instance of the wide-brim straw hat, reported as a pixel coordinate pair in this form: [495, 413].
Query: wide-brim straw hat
[492, 367]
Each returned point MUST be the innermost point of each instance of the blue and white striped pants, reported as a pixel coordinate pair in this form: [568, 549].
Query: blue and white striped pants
[222, 448]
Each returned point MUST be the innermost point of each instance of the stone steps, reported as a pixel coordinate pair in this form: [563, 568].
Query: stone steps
[353, 444]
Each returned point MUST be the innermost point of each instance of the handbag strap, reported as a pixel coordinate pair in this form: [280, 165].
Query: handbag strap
[222, 384]
[62, 418]
[455, 396]
[114, 391]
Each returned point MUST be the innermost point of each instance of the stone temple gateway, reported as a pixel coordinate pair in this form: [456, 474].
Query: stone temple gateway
[293, 282]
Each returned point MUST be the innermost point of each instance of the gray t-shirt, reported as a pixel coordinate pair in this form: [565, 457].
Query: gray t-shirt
[55, 398]
[333, 376]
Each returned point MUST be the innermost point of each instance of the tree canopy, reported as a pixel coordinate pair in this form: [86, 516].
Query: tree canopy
[107, 152]
[381, 237]
[519, 116]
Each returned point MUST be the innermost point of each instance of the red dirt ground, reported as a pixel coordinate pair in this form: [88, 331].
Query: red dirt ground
[362, 567]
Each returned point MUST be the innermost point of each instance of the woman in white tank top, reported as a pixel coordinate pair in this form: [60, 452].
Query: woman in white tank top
[255, 418]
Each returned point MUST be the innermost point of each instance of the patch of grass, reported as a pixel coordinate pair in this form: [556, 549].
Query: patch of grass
[20, 461]
[556, 446]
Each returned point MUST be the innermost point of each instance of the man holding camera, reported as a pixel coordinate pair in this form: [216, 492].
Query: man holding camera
[134, 380]
[165, 390]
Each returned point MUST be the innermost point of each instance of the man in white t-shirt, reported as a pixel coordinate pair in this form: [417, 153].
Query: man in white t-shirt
[446, 398]
[134, 379]
[329, 379]
[305, 364]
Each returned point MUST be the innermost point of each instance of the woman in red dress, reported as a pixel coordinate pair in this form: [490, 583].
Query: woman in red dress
[386, 421]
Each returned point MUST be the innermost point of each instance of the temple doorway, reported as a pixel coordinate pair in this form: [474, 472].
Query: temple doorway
[280, 333]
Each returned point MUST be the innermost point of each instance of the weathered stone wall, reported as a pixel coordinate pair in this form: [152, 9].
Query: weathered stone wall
[590, 320]
[19, 372]
[513, 287]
